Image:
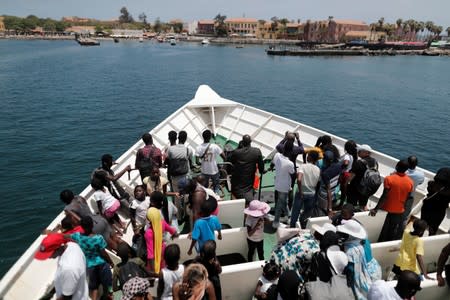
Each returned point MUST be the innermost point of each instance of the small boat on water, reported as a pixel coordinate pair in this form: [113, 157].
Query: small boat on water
[205, 42]
[172, 42]
[116, 40]
[87, 42]
[229, 121]
[141, 40]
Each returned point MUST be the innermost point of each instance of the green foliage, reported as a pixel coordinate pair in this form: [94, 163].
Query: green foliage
[221, 29]
[157, 26]
[26, 25]
[177, 27]
[125, 16]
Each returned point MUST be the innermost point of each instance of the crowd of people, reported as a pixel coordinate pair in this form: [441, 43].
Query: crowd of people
[164, 205]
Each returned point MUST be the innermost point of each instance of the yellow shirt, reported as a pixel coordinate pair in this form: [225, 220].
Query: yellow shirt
[410, 247]
[317, 149]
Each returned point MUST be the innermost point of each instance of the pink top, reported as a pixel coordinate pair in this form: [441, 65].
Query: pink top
[149, 240]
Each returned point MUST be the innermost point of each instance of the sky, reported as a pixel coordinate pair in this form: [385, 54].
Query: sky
[368, 11]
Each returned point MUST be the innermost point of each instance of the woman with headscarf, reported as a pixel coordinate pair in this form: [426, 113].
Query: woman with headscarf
[154, 239]
[362, 269]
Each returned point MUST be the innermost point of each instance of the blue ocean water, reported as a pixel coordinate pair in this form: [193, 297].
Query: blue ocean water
[62, 106]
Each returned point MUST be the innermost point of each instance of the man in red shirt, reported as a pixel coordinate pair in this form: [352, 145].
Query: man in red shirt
[148, 156]
[397, 188]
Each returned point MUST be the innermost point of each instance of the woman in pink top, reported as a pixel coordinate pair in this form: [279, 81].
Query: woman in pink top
[154, 239]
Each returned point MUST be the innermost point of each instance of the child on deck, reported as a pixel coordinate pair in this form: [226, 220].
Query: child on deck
[138, 208]
[129, 266]
[98, 262]
[411, 250]
[254, 222]
[154, 239]
[171, 273]
[271, 273]
[209, 260]
[107, 204]
[204, 228]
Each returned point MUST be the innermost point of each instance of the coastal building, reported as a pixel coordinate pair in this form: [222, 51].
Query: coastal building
[83, 30]
[206, 27]
[246, 27]
[333, 31]
[338, 28]
[191, 27]
[293, 31]
[266, 30]
[127, 33]
[77, 20]
[315, 31]
[371, 36]
[2, 26]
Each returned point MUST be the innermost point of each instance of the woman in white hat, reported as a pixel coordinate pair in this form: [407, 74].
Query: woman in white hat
[362, 267]
[254, 222]
[330, 258]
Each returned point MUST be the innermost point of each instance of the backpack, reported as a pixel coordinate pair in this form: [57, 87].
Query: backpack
[146, 164]
[129, 270]
[180, 166]
[371, 180]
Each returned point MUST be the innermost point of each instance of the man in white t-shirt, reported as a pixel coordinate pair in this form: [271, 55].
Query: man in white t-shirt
[207, 153]
[308, 176]
[408, 285]
[70, 277]
[284, 168]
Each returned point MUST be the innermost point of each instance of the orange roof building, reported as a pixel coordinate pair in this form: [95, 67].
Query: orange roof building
[242, 26]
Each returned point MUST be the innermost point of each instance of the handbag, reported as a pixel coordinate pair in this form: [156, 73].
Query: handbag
[336, 289]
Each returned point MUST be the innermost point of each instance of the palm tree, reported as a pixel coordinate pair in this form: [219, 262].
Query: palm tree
[438, 31]
[429, 26]
[380, 24]
[399, 31]
[421, 28]
[373, 28]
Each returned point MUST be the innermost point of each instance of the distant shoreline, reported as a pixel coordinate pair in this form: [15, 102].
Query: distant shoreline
[294, 51]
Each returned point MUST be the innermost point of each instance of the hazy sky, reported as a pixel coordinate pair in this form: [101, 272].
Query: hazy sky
[369, 11]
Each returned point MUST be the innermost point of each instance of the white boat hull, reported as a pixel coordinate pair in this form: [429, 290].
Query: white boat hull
[30, 279]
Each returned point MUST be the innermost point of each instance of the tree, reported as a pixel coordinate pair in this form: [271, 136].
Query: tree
[157, 26]
[438, 31]
[220, 27]
[380, 24]
[125, 16]
[61, 26]
[49, 25]
[13, 23]
[448, 31]
[177, 27]
[99, 29]
[143, 18]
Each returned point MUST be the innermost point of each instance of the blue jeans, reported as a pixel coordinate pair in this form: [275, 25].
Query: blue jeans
[215, 181]
[280, 207]
[306, 200]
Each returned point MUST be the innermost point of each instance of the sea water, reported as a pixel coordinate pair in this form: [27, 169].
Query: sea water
[63, 106]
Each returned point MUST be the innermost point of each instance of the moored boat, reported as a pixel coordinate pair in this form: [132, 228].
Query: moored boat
[229, 121]
[87, 42]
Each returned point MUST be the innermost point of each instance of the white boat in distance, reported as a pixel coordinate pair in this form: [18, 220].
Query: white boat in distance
[205, 42]
[31, 279]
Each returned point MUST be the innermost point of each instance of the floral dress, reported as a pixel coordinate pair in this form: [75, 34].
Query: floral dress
[296, 253]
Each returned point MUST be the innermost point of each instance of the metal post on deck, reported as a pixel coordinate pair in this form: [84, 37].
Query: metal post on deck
[213, 120]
